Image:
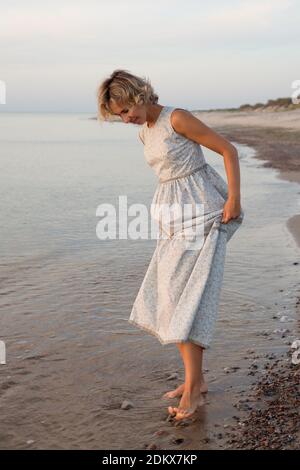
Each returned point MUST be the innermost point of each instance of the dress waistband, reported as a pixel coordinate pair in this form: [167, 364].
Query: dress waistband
[186, 174]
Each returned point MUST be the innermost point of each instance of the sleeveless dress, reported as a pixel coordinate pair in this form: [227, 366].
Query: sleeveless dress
[179, 295]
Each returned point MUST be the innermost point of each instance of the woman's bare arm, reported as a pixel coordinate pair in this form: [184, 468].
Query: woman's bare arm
[186, 124]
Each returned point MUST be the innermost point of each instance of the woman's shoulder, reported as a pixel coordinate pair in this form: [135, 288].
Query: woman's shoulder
[176, 112]
[163, 124]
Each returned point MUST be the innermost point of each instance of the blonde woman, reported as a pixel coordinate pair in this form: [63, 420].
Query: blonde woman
[178, 298]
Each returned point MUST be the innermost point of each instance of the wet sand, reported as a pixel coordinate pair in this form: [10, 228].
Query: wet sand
[268, 412]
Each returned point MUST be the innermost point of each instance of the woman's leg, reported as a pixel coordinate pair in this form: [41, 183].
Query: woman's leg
[192, 397]
[192, 356]
[177, 392]
[180, 389]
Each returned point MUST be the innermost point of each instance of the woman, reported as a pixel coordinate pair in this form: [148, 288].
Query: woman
[178, 298]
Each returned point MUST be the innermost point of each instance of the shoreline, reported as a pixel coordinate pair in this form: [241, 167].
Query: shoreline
[269, 412]
[275, 136]
[280, 150]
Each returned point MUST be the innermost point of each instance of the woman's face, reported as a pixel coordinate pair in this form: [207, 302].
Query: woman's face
[129, 114]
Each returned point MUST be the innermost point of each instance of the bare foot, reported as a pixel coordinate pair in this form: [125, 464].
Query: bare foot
[178, 392]
[191, 400]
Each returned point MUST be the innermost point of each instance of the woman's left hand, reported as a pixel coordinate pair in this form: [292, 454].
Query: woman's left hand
[231, 209]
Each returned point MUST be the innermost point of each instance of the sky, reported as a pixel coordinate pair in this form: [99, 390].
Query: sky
[197, 54]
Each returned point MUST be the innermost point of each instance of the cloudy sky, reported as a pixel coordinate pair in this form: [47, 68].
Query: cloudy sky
[197, 54]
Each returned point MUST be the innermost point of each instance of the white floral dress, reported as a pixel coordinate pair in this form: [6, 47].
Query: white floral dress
[179, 295]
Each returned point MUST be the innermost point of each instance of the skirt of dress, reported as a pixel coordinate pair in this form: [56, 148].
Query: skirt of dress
[179, 297]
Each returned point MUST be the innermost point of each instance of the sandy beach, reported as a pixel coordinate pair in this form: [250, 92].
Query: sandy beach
[274, 135]
[268, 413]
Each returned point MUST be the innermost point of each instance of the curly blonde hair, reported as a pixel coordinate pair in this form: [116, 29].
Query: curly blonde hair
[123, 87]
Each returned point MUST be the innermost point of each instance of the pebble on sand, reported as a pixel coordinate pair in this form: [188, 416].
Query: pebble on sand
[126, 405]
[296, 357]
[173, 376]
[295, 344]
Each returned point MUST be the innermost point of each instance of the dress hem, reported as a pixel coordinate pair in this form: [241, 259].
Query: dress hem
[164, 342]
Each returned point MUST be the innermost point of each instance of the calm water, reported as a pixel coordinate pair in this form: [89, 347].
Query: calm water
[65, 296]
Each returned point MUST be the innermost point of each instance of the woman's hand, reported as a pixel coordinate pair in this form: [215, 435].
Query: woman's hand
[231, 209]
